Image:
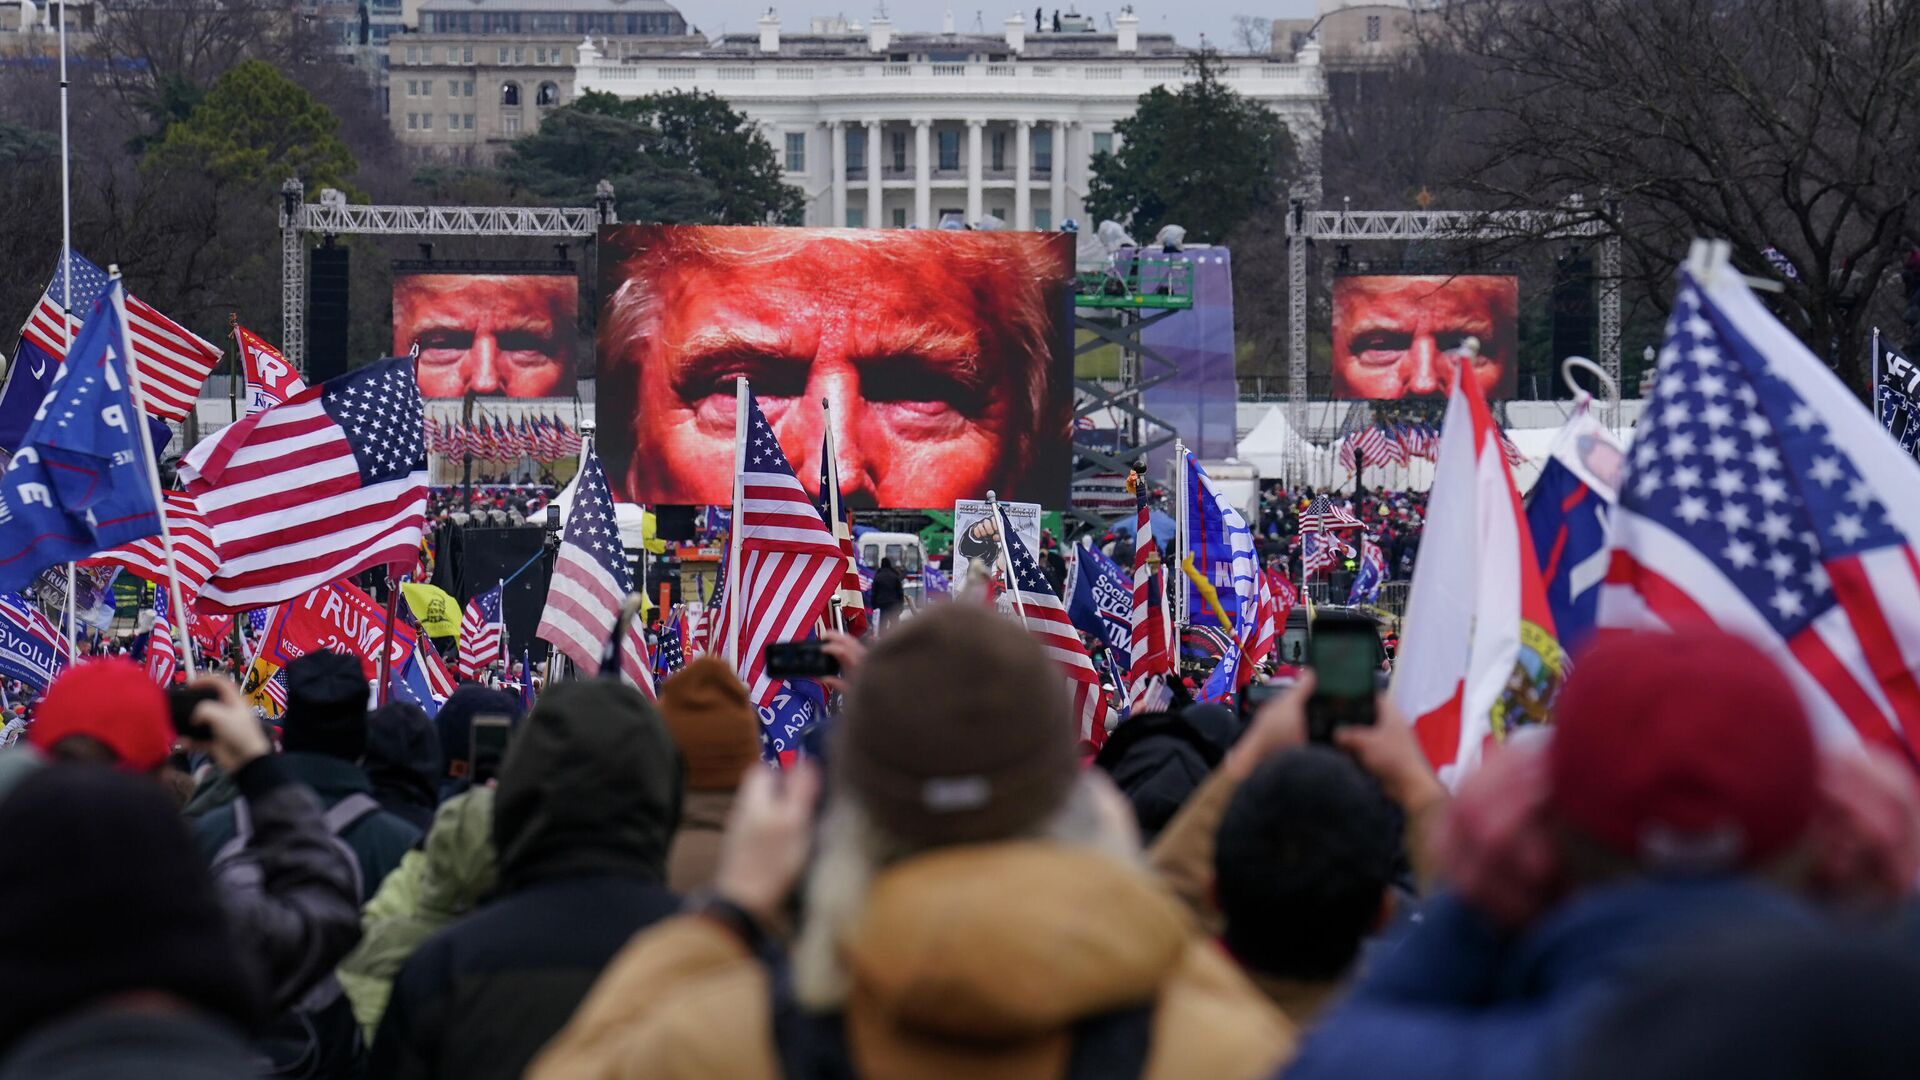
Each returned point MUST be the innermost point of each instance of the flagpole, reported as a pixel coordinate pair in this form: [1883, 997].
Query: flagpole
[1006, 556]
[1179, 528]
[832, 496]
[506, 655]
[1875, 346]
[238, 372]
[740, 392]
[149, 465]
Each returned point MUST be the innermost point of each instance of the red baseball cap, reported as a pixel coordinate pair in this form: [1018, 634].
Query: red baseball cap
[113, 701]
[1687, 752]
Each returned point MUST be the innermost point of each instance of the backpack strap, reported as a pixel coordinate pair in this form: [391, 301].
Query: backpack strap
[349, 811]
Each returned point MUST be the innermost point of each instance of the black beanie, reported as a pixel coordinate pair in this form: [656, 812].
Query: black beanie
[326, 706]
[105, 894]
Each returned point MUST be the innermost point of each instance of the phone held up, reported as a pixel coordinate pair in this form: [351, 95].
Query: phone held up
[799, 660]
[1344, 651]
[487, 745]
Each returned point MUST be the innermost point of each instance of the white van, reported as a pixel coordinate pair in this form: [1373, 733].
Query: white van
[909, 557]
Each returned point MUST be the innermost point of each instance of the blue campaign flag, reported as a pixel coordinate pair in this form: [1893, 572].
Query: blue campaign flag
[797, 707]
[408, 682]
[1567, 513]
[1100, 603]
[79, 483]
[31, 649]
[1223, 553]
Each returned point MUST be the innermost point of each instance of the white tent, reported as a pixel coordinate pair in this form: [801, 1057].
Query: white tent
[635, 522]
[1272, 441]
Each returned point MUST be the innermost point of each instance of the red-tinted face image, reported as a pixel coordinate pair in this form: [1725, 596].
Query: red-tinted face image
[944, 356]
[506, 335]
[1402, 336]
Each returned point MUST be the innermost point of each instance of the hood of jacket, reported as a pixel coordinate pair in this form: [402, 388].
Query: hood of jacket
[1004, 943]
[460, 866]
[591, 786]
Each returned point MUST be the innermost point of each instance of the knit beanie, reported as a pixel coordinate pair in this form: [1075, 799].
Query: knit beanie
[326, 706]
[107, 895]
[717, 729]
[957, 729]
[113, 701]
[1687, 753]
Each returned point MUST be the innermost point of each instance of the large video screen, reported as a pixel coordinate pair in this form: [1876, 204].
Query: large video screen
[1400, 335]
[946, 358]
[499, 335]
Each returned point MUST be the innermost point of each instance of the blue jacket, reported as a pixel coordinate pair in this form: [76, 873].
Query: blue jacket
[1459, 998]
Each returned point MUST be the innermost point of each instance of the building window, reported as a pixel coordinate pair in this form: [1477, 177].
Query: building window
[899, 217]
[469, 124]
[413, 121]
[510, 95]
[796, 151]
[856, 149]
[504, 53]
[900, 152]
[413, 54]
[1373, 28]
[1043, 151]
[856, 217]
[426, 121]
[999, 150]
[466, 54]
[467, 87]
[453, 87]
[1042, 219]
[949, 149]
[1103, 142]
[510, 124]
[547, 95]
[453, 121]
[540, 55]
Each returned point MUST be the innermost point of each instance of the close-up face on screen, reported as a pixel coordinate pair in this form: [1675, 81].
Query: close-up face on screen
[499, 335]
[946, 358]
[1401, 335]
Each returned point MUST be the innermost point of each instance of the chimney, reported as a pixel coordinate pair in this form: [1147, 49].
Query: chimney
[1016, 31]
[946, 24]
[879, 33]
[1127, 31]
[769, 32]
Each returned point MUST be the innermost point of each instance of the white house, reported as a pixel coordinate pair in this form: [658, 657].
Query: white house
[891, 130]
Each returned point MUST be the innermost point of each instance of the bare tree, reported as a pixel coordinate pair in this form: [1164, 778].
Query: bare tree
[1782, 125]
[1252, 34]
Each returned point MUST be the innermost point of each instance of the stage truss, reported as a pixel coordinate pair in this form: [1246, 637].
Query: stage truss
[332, 215]
[1305, 226]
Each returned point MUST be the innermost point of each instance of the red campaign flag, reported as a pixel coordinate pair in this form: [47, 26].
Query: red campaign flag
[210, 631]
[329, 484]
[338, 618]
[270, 379]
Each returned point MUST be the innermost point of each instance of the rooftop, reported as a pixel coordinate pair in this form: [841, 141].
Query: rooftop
[856, 45]
[566, 6]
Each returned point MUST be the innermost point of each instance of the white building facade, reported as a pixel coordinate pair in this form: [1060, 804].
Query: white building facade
[890, 131]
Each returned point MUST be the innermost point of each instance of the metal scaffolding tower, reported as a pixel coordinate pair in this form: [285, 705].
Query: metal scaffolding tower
[332, 215]
[1114, 308]
[1305, 226]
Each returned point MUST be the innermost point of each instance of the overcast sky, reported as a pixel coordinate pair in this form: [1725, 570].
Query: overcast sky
[1186, 20]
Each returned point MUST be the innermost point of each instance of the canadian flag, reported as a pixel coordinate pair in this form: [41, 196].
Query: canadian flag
[1478, 656]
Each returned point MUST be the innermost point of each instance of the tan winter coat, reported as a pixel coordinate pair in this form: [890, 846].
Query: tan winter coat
[695, 855]
[969, 962]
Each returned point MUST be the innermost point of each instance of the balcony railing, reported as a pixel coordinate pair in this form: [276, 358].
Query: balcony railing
[1270, 78]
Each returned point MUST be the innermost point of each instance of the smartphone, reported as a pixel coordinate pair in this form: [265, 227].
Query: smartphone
[1345, 653]
[487, 745]
[799, 659]
[181, 701]
[1255, 694]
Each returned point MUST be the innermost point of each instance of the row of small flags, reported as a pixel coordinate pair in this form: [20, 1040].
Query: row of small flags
[542, 438]
[1396, 442]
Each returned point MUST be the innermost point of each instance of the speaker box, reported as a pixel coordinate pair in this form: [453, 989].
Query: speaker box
[1574, 315]
[486, 555]
[327, 314]
[673, 522]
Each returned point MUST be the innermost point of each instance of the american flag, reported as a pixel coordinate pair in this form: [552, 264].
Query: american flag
[439, 679]
[790, 563]
[1317, 551]
[1147, 620]
[482, 634]
[193, 550]
[853, 584]
[173, 361]
[1761, 498]
[668, 658]
[1269, 617]
[162, 658]
[33, 648]
[1325, 515]
[590, 583]
[329, 484]
[1046, 619]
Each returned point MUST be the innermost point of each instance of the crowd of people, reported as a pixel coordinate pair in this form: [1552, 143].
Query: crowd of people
[1393, 518]
[1673, 879]
[513, 504]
